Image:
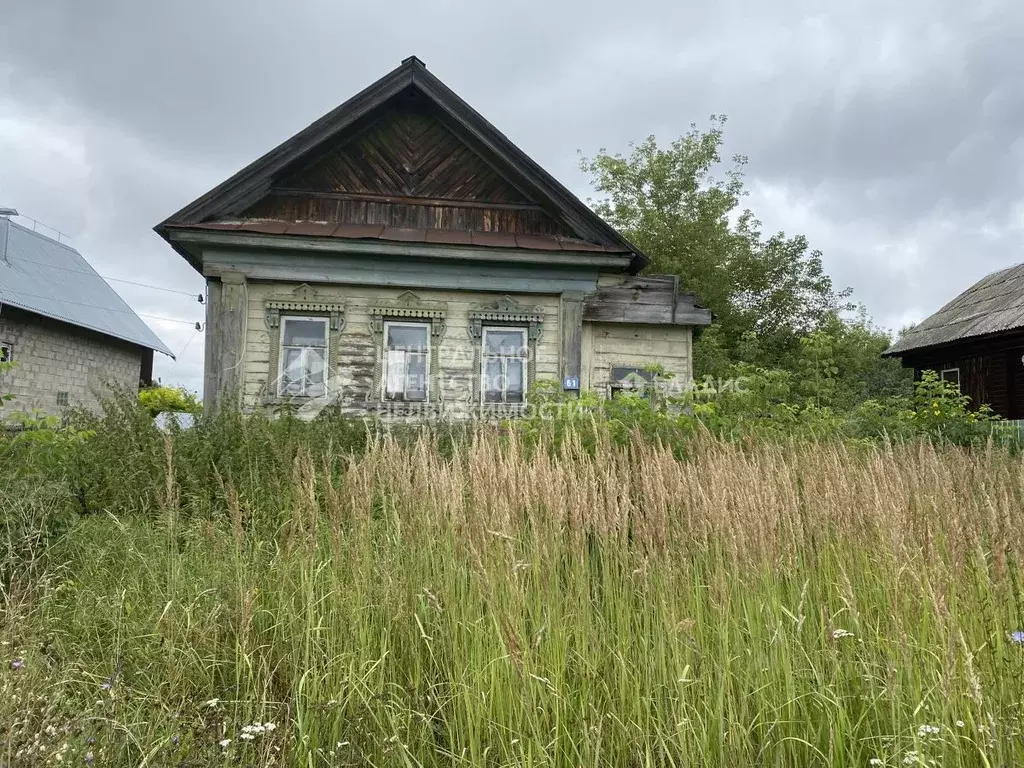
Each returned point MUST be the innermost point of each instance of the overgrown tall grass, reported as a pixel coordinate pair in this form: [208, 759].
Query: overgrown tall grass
[477, 603]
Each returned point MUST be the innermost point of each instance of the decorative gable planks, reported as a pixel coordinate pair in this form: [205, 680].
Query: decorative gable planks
[406, 169]
[406, 153]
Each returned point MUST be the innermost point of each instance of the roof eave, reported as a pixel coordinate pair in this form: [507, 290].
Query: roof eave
[974, 338]
[182, 236]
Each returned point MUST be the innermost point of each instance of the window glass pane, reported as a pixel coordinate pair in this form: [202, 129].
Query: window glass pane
[396, 372]
[492, 380]
[416, 376]
[291, 373]
[304, 333]
[314, 364]
[623, 373]
[514, 381]
[407, 337]
[504, 341]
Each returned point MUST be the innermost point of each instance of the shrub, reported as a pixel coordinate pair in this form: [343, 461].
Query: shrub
[158, 399]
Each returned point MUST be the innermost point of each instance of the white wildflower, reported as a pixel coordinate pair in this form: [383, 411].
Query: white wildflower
[839, 634]
[224, 743]
[247, 736]
[924, 731]
[876, 761]
[211, 703]
[268, 727]
[959, 723]
[911, 758]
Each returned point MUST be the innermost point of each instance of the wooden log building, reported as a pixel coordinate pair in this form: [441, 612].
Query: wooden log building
[976, 341]
[400, 255]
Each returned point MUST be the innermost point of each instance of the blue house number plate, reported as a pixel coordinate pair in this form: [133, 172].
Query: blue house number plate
[571, 382]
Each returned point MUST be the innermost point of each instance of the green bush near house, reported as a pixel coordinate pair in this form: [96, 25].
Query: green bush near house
[160, 399]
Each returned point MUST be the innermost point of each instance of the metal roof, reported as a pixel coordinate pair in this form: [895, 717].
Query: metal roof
[992, 305]
[407, 235]
[52, 279]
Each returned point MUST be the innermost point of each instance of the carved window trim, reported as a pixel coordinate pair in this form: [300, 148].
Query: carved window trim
[505, 311]
[304, 301]
[410, 307]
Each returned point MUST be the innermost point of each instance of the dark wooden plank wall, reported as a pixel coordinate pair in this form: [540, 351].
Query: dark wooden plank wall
[1015, 383]
[406, 169]
[991, 371]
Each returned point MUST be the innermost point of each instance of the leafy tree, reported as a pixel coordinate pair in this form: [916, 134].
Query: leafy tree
[765, 292]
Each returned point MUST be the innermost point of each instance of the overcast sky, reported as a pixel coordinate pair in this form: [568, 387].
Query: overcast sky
[890, 133]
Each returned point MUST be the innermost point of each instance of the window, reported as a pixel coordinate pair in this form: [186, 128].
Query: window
[303, 356]
[62, 399]
[951, 375]
[406, 361]
[627, 379]
[6, 352]
[504, 361]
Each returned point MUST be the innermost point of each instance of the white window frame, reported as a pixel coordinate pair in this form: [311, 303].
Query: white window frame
[385, 361]
[6, 352]
[524, 356]
[282, 357]
[944, 371]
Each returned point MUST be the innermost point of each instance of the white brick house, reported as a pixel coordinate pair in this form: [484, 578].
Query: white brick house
[70, 336]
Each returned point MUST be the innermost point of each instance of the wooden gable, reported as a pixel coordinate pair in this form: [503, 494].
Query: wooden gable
[405, 169]
[410, 153]
[405, 159]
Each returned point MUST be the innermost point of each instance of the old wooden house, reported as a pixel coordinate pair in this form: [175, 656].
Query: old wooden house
[400, 255]
[976, 341]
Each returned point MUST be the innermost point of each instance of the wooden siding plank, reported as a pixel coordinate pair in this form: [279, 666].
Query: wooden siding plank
[572, 335]
[225, 334]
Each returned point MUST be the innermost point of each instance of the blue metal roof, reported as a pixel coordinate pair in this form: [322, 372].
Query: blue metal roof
[52, 279]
